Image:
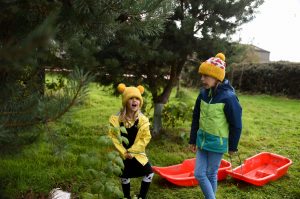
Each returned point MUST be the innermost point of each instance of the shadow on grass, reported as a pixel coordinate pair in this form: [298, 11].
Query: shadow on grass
[16, 144]
[163, 183]
[234, 182]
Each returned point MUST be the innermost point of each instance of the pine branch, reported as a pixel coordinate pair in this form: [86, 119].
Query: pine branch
[21, 124]
[72, 103]
[13, 119]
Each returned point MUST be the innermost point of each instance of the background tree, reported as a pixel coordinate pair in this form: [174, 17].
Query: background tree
[194, 26]
[58, 34]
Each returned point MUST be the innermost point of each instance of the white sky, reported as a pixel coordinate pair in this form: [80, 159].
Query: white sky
[276, 28]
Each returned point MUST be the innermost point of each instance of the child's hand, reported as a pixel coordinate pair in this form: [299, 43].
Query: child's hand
[193, 148]
[128, 155]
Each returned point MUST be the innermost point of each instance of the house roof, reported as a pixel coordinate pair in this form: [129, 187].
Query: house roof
[258, 49]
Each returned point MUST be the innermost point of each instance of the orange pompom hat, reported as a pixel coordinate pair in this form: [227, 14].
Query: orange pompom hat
[129, 92]
[214, 67]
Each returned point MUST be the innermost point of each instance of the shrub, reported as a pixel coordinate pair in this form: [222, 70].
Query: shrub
[175, 113]
[269, 78]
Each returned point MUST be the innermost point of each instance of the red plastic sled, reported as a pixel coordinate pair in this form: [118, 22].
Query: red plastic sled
[183, 174]
[261, 168]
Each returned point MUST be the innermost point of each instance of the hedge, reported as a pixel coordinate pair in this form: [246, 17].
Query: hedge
[281, 78]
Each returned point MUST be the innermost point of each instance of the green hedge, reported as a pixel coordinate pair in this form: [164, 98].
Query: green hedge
[270, 78]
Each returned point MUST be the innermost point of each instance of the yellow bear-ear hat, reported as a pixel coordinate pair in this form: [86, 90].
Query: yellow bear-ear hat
[214, 67]
[129, 92]
[121, 88]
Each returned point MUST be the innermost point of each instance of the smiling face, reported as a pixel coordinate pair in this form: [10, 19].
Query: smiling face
[133, 104]
[208, 81]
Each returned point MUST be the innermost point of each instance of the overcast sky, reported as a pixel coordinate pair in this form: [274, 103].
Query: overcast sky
[276, 28]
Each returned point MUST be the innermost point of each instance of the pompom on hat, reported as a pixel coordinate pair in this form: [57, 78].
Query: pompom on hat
[129, 92]
[214, 67]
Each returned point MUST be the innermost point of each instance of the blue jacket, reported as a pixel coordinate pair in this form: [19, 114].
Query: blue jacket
[217, 119]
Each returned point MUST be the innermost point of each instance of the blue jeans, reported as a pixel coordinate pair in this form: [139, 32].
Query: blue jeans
[206, 171]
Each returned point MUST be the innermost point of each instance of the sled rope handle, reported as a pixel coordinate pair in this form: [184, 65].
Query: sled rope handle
[240, 161]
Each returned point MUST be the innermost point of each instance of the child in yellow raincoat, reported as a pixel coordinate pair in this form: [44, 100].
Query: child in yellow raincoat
[136, 163]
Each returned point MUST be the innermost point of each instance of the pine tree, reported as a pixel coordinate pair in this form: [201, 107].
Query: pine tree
[57, 34]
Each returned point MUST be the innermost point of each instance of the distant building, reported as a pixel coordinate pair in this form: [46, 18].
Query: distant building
[250, 54]
[263, 56]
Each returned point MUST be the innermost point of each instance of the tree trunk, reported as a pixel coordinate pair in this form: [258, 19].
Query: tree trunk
[241, 78]
[163, 98]
[157, 119]
[178, 86]
[41, 79]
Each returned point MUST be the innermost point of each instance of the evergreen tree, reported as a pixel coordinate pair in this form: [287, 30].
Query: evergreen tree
[157, 61]
[58, 34]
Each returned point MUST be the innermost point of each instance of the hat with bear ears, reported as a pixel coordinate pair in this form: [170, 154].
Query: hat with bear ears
[129, 92]
[214, 67]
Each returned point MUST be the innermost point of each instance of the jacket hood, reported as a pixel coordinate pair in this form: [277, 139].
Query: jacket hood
[143, 121]
[225, 85]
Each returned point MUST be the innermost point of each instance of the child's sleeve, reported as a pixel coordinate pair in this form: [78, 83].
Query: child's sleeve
[233, 112]
[120, 148]
[144, 138]
[195, 121]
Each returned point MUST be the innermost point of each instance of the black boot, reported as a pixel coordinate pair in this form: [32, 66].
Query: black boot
[126, 190]
[144, 189]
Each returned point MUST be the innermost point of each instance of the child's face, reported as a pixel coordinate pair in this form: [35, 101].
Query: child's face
[208, 81]
[133, 104]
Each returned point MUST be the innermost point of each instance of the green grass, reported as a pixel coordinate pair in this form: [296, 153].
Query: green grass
[269, 124]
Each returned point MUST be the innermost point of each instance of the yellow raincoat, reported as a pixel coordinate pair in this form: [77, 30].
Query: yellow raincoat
[143, 137]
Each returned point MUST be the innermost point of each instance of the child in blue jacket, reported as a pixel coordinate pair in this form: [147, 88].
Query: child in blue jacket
[216, 125]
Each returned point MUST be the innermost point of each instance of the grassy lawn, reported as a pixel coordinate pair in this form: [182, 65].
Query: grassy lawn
[269, 124]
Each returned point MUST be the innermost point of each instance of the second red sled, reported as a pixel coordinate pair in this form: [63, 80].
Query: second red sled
[261, 168]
